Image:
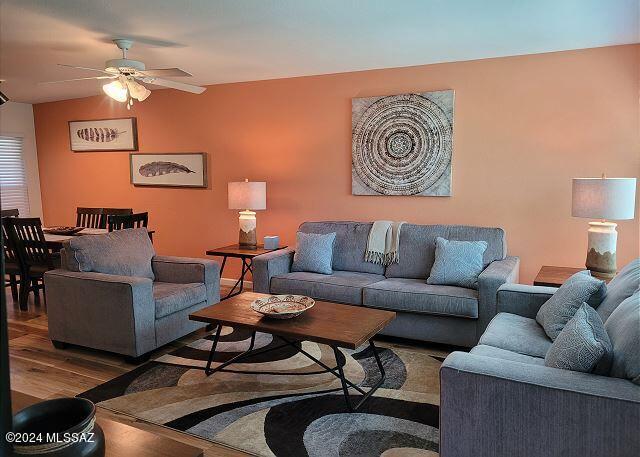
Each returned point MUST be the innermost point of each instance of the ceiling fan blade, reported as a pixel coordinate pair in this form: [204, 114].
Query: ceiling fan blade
[78, 79]
[84, 68]
[164, 72]
[174, 85]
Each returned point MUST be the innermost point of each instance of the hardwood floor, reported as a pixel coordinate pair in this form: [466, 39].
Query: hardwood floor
[40, 370]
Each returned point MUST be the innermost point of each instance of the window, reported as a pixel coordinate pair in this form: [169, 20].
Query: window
[13, 181]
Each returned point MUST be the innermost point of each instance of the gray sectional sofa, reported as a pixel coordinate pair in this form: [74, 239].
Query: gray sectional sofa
[443, 314]
[98, 299]
[500, 400]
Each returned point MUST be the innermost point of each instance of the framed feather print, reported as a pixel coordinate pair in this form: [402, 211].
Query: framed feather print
[104, 135]
[169, 170]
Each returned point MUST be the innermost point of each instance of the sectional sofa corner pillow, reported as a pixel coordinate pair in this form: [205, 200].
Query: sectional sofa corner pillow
[554, 314]
[314, 253]
[582, 345]
[621, 287]
[623, 327]
[457, 263]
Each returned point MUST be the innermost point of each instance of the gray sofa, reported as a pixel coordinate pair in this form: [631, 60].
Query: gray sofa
[500, 400]
[124, 313]
[443, 314]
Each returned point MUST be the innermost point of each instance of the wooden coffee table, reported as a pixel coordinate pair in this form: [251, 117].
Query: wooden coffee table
[336, 325]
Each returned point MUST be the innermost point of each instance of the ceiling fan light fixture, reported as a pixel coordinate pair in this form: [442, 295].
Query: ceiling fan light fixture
[116, 90]
[137, 90]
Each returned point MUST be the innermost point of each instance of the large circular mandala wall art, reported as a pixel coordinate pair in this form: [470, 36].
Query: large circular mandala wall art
[402, 144]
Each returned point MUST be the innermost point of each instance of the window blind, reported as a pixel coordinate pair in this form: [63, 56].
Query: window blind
[14, 192]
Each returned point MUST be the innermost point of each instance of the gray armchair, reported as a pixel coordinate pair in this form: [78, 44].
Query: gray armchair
[122, 313]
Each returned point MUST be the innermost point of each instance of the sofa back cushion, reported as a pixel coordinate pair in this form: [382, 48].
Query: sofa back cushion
[623, 328]
[123, 252]
[418, 246]
[621, 287]
[350, 244]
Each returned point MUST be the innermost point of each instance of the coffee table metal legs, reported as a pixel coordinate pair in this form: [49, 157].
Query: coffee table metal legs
[208, 371]
[338, 371]
[346, 383]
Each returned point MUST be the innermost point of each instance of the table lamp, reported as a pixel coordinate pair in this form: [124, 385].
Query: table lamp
[247, 196]
[603, 198]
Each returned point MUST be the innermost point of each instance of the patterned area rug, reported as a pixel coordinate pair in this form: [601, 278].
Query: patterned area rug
[281, 403]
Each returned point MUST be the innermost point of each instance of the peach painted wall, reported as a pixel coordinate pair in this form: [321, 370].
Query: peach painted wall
[524, 126]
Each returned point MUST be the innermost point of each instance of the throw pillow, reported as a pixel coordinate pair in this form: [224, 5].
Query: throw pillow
[554, 314]
[582, 345]
[623, 327]
[314, 253]
[123, 252]
[457, 263]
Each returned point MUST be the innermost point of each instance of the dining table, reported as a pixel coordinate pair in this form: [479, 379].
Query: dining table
[55, 241]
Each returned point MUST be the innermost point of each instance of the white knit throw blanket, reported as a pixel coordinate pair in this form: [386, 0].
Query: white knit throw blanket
[384, 240]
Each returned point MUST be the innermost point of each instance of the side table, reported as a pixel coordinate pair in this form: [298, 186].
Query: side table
[244, 253]
[553, 276]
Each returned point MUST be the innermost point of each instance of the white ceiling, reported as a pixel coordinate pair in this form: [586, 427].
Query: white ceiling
[240, 40]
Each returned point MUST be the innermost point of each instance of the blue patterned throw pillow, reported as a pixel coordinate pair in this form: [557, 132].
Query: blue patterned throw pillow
[314, 253]
[458, 263]
[582, 345]
[554, 314]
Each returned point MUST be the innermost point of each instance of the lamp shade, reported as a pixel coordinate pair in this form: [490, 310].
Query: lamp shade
[604, 198]
[247, 195]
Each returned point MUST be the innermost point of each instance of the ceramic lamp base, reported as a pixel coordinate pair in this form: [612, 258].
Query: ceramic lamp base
[601, 254]
[247, 222]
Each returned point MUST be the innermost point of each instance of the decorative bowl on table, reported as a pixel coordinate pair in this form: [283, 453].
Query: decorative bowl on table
[282, 306]
[62, 230]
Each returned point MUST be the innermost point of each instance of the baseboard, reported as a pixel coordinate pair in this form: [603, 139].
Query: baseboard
[229, 282]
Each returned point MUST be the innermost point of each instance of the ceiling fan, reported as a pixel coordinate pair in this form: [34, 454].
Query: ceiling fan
[127, 75]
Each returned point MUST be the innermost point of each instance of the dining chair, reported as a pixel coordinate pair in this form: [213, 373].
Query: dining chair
[106, 212]
[11, 262]
[119, 222]
[27, 239]
[89, 217]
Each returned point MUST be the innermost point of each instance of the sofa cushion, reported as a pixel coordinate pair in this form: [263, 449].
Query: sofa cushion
[498, 353]
[417, 247]
[350, 245]
[517, 334]
[554, 314]
[458, 263]
[623, 327]
[314, 252]
[621, 287]
[340, 287]
[416, 296]
[582, 345]
[170, 297]
[123, 252]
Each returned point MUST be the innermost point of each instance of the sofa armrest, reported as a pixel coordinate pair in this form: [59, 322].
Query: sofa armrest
[523, 299]
[268, 265]
[497, 273]
[495, 407]
[108, 312]
[184, 270]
